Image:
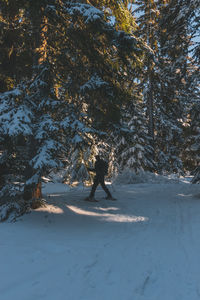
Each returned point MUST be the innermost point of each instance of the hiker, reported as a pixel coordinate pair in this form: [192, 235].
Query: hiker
[101, 169]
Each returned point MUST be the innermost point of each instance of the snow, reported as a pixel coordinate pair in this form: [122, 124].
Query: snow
[14, 120]
[144, 246]
[44, 157]
[19, 122]
[13, 93]
[90, 13]
[95, 82]
[77, 139]
[131, 177]
[46, 127]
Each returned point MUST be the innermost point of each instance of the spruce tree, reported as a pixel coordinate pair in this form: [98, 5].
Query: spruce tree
[191, 149]
[15, 117]
[134, 149]
[132, 131]
[192, 144]
[72, 92]
[176, 76]
[105, 80]
[167, 82]
[147, 21]
[15, 43]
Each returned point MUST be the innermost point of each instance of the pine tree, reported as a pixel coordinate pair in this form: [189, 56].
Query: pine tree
[192, 132]
[15, 117]
[192, 151]
[176, 83]
[72, 91]
[15, 44]
[195, 13]
[15, 124]
[167, 82]
[124, 139]
[147, 30]
[105, 80]
[133, 146]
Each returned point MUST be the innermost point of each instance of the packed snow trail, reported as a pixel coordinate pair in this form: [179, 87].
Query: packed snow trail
[144, 246]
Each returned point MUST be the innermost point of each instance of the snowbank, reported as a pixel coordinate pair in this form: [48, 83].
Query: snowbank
[54, 188]
[130, 177]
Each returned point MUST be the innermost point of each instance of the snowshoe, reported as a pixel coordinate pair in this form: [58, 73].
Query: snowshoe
[91, 199]
[110, 198]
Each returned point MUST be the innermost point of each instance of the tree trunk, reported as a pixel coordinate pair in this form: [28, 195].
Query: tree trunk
[150, 101]
[34, 190]
[150, 111]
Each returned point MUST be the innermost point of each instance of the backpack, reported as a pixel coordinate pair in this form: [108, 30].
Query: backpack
[105, 167]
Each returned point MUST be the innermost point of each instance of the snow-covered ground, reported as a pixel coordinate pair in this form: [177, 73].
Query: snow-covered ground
[144, 246]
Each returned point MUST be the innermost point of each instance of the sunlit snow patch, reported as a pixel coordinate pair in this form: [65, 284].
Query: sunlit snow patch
[107, 216]
[51, 209]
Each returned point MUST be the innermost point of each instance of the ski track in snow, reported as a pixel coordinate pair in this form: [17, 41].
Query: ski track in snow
[144, 246]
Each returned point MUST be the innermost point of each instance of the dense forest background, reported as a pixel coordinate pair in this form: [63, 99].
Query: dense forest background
[80, 78]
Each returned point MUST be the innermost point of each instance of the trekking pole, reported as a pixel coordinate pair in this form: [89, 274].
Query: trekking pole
[114, 190]
[83, 186]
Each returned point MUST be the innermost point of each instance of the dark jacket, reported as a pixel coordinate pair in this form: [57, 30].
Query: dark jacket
[99, 168]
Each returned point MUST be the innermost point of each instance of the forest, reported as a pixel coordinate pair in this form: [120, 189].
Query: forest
[81, 78]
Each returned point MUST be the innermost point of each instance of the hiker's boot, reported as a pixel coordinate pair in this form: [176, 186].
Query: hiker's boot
[110, 197]
[91, 199]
